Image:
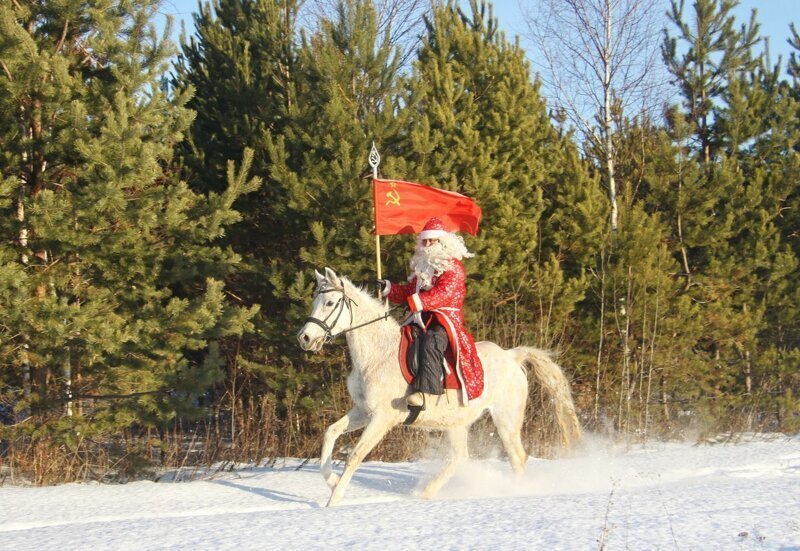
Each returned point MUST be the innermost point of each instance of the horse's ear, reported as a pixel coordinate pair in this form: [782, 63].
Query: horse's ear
[331, 276]
[320, 278]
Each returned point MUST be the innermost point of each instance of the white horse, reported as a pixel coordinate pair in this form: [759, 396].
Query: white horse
[379, 390]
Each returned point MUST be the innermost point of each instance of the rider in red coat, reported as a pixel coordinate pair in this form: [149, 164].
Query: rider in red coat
[435, 296]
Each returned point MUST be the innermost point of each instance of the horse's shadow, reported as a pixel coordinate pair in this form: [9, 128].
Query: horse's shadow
[394, 480]
[397, 480]
[272, 495]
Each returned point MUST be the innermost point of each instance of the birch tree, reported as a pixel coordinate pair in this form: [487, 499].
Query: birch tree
[598, 59]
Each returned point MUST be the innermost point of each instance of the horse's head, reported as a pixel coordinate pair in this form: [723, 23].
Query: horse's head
[330, 312]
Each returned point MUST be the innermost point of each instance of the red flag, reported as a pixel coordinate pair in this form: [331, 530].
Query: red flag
[404, 207]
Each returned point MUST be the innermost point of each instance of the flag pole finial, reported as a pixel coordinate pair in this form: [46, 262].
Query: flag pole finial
[374, 161]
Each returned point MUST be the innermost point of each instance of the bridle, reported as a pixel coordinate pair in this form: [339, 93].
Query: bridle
[343, 302]
[338, 309]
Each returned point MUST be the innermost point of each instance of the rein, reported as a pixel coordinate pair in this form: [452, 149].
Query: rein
[338, 310]
[383, 317]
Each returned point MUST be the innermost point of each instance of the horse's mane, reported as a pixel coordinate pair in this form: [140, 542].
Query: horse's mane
[374, 344]
[368, 306]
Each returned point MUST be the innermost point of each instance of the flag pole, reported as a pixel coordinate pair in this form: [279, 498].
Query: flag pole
[374, 161]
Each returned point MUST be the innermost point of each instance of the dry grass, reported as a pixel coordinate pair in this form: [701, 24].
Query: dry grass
[255, 432]
[216, 443]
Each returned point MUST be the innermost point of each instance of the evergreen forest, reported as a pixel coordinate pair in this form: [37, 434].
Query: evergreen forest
[163, 208]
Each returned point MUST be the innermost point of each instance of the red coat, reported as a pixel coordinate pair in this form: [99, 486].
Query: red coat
[446, 300]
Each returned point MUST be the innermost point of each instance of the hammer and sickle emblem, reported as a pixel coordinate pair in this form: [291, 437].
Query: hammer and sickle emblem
[393, 196]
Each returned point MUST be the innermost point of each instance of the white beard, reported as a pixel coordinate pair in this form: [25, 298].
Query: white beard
[429, 262]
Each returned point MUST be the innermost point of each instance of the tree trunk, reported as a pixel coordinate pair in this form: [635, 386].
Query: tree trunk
[608, 144]
[23, 245]
[601, 339]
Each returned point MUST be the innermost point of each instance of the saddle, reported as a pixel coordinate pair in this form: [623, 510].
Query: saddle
[408, 357]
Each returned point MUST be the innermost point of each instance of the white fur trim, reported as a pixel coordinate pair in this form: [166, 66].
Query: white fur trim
[416, 302]
[432, 234]
[459, 375]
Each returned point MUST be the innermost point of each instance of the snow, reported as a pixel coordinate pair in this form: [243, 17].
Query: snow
[743, 495]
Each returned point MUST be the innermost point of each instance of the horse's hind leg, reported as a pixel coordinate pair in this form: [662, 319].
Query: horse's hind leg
[352, 420]
[374, 431]
[507, 416]
[458, 454]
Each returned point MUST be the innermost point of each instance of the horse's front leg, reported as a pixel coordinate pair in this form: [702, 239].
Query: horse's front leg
[352, 420]
[459, 453]
[375, 430]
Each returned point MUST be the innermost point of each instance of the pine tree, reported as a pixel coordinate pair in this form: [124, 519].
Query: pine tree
[311, 105]
[760, 120]
[481, 128]
[714, 51]
[727, 186]
[241, 69]
[704, 189]
[110, 271]
[648, 326]
[350, 96]
[766, 110]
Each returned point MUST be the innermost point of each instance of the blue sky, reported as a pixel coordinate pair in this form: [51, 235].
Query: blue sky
[773, 15]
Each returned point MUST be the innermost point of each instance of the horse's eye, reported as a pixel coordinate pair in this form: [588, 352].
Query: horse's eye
[329, 303]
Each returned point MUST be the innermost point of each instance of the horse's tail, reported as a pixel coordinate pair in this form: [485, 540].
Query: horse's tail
[552, 378]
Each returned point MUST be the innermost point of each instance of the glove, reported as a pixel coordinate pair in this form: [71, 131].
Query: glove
[384, 286]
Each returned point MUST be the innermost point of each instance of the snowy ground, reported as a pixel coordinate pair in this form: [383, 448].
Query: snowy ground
[658, 496]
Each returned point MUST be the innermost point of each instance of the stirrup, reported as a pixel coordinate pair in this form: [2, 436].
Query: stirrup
[414, 409]
[413, 413]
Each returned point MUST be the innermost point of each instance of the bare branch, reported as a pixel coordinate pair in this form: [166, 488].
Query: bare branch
[61, 40]
[6, 71]
[599, 55]
[402, 19]
[569, 37]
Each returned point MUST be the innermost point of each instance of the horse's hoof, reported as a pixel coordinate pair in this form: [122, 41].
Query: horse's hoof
[332, 480]
[427, 495]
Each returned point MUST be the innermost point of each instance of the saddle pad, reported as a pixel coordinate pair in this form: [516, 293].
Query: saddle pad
[450, 380]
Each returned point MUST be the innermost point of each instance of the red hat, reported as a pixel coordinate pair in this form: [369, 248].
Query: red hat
[434, 229]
